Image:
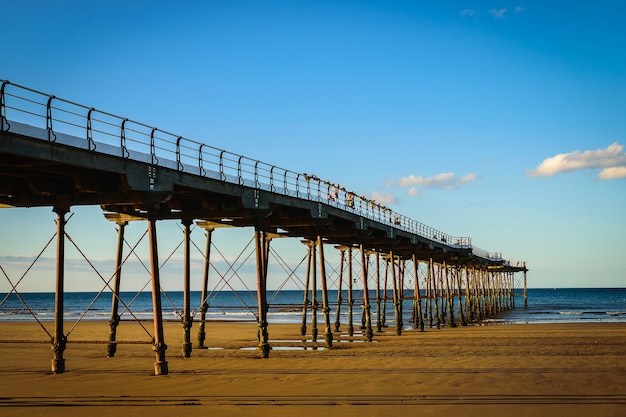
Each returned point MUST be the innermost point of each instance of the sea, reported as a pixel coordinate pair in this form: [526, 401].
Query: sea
[545, 305]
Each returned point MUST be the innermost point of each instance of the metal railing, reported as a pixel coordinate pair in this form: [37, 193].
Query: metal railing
[99, 131]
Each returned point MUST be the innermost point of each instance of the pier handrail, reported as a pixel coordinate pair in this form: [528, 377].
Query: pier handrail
[133, 139]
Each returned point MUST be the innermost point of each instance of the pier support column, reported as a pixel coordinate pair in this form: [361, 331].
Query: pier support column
[449, 293]
[59, 340]
[187, 320]
[262, 251]
[160, 365]
[369, 334]
[418, 299]
[115, 297]
[328, 335]
[383, 315]
[350, 299]
[396, 295]
[305, 302]
[435, 294]
[314, 302]
[525, 288]
[205, 285]
[342, 255]
[429, 295]
[459, 283]
[379, 323]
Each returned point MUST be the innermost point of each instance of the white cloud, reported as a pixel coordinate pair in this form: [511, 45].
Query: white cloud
[498, 13]
[519, 9]
[413, 191]
[383, 199]
[612, 173]
[444, 180]
[467, 12]
[612, 160]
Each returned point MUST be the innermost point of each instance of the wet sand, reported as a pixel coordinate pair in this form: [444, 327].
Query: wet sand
[513, 370]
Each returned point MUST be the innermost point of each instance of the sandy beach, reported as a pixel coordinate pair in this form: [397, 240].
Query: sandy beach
[513, 370]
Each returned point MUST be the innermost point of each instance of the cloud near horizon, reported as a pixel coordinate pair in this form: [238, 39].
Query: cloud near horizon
[443, 181]
[611, 161]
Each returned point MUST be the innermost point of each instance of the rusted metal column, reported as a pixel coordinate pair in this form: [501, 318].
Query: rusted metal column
[350, 299]
[328, 335]
[468, 297]
[510, 290]
[429, 298]
[365, 268]
[475, 294]
[187, 320]
[115, 297]
[459, 283]
[525, 288]
[305, 302]
[449, 294]
[435, 294]
[342, 254]
[384, 312]
[379, 323]
[396, 296]
[443, 306]
[418, 299]
[481, 298]
[369, 334]
[59, 340]
[314, 302]
[160, 364]
[401, 266]
[261, 244]
[205, 285]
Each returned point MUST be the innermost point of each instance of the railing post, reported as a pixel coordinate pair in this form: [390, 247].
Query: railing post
[179, 165]
[90, 141]
[125, 153]
[3, 109]
[239, 171]
[155, 160]
[49, 120]
[201, 169]
[222, 174]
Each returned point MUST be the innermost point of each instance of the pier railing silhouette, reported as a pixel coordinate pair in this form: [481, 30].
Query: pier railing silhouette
[64, 121]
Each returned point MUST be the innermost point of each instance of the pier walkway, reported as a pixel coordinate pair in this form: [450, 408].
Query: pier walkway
[59, 154]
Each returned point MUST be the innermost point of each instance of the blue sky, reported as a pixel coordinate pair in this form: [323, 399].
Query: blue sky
[499, 120]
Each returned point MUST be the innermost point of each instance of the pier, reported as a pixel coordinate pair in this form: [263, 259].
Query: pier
[60, 154]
